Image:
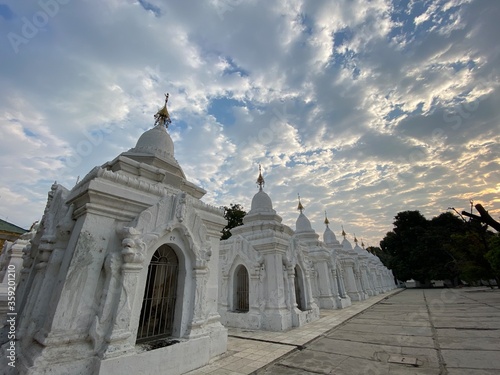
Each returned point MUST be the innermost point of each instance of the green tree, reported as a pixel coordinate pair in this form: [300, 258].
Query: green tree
[234, 215]
[403, 246]
[437, 241]
[475, 251]
[419, 249]
[493, 255]
[445, 247]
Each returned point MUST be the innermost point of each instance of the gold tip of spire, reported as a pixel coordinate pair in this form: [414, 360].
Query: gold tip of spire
[300, 207]
[343, 232]
[355, 239]
[326, 220]
[362, 244]
[162, 117]
[260, 179]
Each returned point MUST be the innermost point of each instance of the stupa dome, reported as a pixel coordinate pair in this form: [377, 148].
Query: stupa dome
[329, 236]
[346, 244]
[303, 224]
[359, 250]
[261, 202]
[155, 141]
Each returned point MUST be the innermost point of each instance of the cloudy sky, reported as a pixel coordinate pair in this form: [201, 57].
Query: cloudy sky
[365, 108]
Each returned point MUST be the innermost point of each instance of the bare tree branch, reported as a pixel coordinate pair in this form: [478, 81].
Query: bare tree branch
[484, 218]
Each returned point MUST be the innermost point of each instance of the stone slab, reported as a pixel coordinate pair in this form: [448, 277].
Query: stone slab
[469, 371]
[413, 321]
[390, 329]
[312, 360]
[473, 359]
[283, 370]
[382, 339]
[466, 323]
[469, 343]
[380, 353]
[403, 360]
[472, 333]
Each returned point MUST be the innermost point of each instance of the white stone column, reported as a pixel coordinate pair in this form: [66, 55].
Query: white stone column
[325, 299]
[123, 334]
[14, 258]
[254, 290]
[276, 316]
[351, 287]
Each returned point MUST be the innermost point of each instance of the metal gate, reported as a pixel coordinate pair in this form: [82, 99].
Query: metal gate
[242, 292]
[158, 307]
[298, 294]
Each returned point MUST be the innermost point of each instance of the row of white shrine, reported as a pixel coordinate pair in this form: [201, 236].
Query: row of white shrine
[275, 278]
[126, 272]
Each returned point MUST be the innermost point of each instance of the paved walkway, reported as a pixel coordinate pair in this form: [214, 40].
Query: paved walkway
[416, 331]
[432, 331]
[250, 350]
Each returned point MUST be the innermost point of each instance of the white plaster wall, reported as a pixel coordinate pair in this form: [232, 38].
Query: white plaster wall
[172, 360]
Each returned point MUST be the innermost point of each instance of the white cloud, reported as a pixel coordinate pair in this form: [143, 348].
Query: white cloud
[364, 108]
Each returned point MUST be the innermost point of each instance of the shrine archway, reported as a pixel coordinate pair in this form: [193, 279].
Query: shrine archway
[241, 290]
[157, 316]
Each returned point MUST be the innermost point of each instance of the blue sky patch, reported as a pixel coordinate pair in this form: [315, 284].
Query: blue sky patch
[234, 68]
[6, 12]
[29, 133]
[222, 110]
[150, 7]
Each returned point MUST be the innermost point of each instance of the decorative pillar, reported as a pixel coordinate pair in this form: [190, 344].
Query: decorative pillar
[124, 332]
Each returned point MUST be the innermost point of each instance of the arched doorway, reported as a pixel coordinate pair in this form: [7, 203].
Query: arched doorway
[298, 290]
[241, 301]
[158, 306]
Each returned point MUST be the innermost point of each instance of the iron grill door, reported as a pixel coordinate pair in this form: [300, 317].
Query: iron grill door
[158, 307]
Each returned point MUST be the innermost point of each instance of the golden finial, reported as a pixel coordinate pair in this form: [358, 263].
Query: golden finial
[343, 232]
[362, 244]
[260, 179]
[355, 239]
[300, 207]
[162, 117]
[326, 220]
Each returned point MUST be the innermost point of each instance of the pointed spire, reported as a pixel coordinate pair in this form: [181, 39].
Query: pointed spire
[355, 239]
[362, 244]
[326, 220]
[260, 179]
[343, 232]
[300, 207]
[162, 117]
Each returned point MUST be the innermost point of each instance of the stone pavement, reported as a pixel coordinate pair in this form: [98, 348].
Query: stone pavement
[417, 331]
[250, 350]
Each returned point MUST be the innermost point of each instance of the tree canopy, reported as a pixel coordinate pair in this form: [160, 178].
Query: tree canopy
[234, 215]
[445, 247]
